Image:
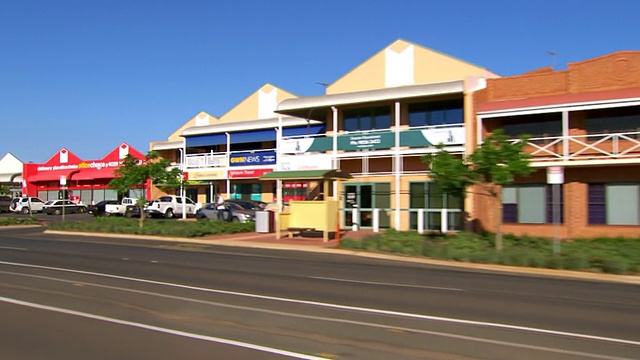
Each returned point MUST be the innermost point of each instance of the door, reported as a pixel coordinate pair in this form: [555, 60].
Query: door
[362, 199]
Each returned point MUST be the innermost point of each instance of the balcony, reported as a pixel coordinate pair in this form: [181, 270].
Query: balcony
[616, 146]
[204, 161]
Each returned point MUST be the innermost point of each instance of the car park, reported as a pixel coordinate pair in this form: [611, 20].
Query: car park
[99, 208]
[57, 207]
[26, 205]
[233, 212]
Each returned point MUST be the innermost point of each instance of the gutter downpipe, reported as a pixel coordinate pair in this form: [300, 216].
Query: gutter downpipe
[183, 191]
[397, 165]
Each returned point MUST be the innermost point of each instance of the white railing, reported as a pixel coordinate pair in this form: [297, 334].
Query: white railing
[211, 160]
[584, 147]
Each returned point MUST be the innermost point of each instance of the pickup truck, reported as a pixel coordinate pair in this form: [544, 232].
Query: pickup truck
[170, 206]
[119, 209]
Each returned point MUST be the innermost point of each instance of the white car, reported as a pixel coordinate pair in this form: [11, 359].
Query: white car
[170, 206]
[27, 204]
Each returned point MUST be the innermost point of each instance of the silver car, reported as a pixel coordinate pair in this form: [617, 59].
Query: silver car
[233, 212]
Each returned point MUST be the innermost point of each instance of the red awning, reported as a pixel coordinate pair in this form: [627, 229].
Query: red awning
[46, 176]
[91, 174]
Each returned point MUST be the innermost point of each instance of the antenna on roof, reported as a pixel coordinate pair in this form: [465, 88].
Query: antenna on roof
[323, 84]
[553, 57]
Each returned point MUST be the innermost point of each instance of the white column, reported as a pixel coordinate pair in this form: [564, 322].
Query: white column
[355, 219]
[279, 164]
[183, 190]
[334, 159]
[420, 221]
[397, 165]
[228, 154]
[443, 221]
[479, 131]
[376, 220]
[565, 135]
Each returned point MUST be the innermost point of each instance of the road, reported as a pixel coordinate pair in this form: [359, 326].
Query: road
[66, 297]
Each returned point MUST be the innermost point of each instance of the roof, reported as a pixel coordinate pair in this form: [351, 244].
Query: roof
[306, 175]
[246, 125]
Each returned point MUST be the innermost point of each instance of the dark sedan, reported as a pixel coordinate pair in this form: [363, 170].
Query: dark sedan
[57, 207]
[98, 209]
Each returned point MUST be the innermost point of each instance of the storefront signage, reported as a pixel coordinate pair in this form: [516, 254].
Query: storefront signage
[248, 173]
[555, 175]
[207, 175]
[454, 135]
[306, 162]
[249, 159]
[366, 141]
[83, 165]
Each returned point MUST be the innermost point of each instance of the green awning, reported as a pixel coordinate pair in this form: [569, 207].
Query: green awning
[307, 175]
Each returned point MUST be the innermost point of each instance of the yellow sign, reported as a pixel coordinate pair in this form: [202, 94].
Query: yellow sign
[207, 175]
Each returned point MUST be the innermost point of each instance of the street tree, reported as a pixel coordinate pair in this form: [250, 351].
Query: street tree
[4, 190]
[494, 164]
[135, 173]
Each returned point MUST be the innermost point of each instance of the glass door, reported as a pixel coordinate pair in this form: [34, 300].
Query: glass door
[363, 199]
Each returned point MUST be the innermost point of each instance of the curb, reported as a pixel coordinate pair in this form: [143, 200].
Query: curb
[567, 274]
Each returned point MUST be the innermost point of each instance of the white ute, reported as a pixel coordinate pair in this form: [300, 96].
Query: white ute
[119, 209]
[170, 206]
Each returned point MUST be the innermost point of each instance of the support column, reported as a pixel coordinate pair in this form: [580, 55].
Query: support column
[397, 166]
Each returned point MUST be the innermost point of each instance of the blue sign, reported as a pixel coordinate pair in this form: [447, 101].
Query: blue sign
[250, 159]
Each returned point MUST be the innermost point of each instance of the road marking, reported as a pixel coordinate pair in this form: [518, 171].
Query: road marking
[386, 284]
[344, 321]
[13, 248]
[163, 330]
[339, 306]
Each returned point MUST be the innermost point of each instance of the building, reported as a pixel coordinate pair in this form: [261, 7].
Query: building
[583, 121]
[84, 181]
[375, 122]
[11, 174]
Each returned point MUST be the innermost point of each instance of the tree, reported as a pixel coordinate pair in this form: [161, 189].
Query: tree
[135, 173]
[494, 164]
[4, 190]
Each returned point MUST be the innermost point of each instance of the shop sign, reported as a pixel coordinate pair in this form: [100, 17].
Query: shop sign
[555, 175]
[248, 173]
[306, 162]
[256, 158]
[308, 144]
[366, 141]
[207, 175]
[83, 165]
[455, 135]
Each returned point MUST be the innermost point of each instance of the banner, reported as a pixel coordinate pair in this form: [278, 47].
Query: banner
[255, 158]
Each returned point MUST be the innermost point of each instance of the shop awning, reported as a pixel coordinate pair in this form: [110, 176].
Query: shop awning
[334, 174]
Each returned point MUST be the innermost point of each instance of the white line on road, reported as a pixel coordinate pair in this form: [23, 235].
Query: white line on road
[386, 284]
[164, 330]
[342, 307]
[13, 248]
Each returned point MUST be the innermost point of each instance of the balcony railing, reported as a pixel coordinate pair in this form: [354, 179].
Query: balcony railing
[210, 160]
[584, 147]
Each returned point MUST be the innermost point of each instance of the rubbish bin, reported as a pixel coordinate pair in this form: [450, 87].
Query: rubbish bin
[265, 221]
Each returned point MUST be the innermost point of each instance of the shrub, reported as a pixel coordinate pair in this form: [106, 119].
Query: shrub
[575, 262]
[615, 266]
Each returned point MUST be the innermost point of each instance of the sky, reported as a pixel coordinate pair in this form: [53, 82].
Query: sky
[87, 75]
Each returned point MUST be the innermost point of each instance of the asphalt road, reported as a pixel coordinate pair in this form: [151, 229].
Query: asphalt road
[65, 297]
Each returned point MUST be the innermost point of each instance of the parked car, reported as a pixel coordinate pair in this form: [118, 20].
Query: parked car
[5, 203]
[132, 211]
[99, 208]
[249, 204]
[233, 212]
[26, 204]
[57, 207]
[119, 208]
[170, 206]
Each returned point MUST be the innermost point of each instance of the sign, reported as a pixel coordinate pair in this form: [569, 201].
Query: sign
[450, 135]
[250, 159]
[306, 162]
[248, 173]
[98, 165]
[555, 175]
[366, 141]
[207, 175]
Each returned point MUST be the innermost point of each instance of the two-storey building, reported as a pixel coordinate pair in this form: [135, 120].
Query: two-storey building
[584, 122]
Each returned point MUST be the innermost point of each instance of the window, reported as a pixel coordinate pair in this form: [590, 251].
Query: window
[538, 125]
[617, 120]
[436, 113]
[428, 196]
[530, 204]
[614, 204]
[376, 118]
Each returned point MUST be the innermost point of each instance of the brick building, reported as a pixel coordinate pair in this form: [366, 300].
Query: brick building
[586, 120]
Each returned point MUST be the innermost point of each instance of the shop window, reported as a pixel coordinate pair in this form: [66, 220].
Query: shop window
[428, 196]
[530, 204]
[614, 204]
[433, 113]
[534, 126]
[616, 120]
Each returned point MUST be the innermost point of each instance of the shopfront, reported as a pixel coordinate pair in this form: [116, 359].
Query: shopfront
[82, 181]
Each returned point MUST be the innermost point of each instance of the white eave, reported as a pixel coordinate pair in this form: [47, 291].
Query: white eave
[247, 125]
[295, 105]
[167, 145]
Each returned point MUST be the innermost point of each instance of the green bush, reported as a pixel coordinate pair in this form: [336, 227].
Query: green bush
[7, 221]
[614, 266]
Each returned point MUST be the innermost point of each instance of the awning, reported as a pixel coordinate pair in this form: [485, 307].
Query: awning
[334, 174]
